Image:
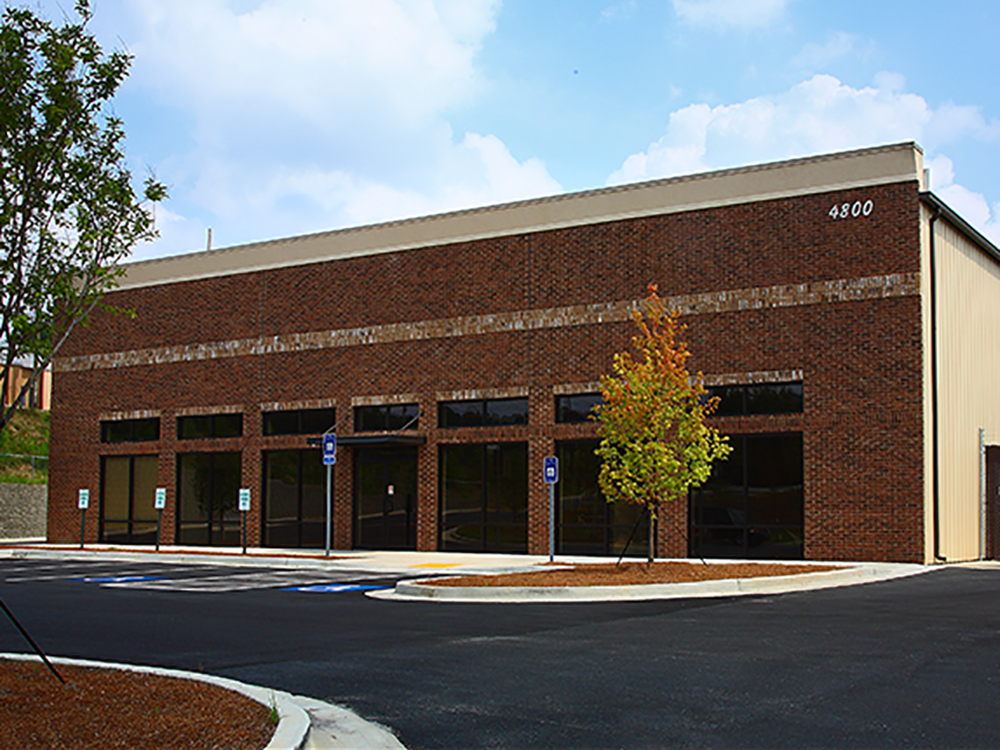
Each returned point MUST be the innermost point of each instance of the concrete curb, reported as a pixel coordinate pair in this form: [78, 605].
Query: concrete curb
[180, 558]
[424, 590]
[337, 728]
[293, 722]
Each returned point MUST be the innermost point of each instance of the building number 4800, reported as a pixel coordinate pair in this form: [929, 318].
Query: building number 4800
[851, 210]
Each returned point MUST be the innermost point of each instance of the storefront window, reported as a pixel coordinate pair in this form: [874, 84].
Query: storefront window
[484, 497]
[586, 523]
[294, 499]
[128, 485]
[207, 489]
[752, 505]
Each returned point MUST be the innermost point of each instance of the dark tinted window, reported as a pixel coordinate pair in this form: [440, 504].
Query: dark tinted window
[460, 414]
[209, 426]
[762, 398]
[752, 504]
[479, 413]
[507, 411]
[228, 425]
[577, 407]
[386, 417]
[294, 499]
[587, 524]
[124, 430]
[298, 422]
[730, 399]
[484, 497]
[207, 490]
[774, 398]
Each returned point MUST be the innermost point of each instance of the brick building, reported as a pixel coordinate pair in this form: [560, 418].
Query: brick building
[847, 318]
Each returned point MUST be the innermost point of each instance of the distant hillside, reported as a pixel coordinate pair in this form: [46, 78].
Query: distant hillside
[27, 434]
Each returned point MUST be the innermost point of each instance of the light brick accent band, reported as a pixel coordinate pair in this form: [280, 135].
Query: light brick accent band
[516, 391]
[203, 411]
[397, 398]
[114, 416]
[751, 378]
[316, 403]
[757, 298]
[574, 389]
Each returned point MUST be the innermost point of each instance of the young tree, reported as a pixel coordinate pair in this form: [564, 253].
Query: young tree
[68, 212]
[654, 440]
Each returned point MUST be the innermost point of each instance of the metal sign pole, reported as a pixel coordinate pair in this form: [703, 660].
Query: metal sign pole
[159, 502]
[244, 508]
[552, 521]
[329, 471]
[83, 500]
[550, 473]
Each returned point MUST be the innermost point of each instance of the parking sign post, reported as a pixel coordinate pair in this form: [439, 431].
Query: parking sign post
[551, 475]
[83, 500]
[329, 458]
[159, 502]
[244, 507]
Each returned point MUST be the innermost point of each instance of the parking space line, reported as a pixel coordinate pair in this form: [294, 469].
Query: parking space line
[340, 587]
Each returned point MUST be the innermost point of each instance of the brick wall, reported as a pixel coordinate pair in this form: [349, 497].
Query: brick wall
[767, 286]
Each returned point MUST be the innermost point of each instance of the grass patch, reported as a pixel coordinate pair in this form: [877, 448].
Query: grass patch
[26, 434]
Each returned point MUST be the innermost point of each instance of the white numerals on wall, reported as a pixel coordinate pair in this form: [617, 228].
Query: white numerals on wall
[851, 210]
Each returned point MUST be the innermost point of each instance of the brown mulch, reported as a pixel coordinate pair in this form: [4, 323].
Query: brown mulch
[112, 708]
[633, 573]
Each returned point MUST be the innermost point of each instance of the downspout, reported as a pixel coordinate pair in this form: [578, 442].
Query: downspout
[935, 457]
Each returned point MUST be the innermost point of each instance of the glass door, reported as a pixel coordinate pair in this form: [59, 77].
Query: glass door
[385, 498]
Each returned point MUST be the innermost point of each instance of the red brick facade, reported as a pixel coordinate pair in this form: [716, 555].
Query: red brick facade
[858, 345]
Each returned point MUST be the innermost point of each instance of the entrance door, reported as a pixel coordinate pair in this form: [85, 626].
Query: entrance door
[993, 502]
[385, 498]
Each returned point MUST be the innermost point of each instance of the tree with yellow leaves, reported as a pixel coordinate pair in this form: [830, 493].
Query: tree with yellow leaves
[655, 444]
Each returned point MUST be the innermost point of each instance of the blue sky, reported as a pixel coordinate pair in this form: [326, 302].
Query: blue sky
[268, 118]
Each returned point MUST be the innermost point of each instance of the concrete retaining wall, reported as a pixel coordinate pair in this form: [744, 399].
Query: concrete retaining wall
[23, 511]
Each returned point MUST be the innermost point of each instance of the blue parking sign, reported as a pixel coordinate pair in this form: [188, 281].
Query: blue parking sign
[551, 469]
[329, 449]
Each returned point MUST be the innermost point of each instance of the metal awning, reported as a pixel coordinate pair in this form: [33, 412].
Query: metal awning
[388, 438]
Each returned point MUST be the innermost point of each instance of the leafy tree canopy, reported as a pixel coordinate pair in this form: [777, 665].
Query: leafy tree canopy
[654, 440]
[68, 211]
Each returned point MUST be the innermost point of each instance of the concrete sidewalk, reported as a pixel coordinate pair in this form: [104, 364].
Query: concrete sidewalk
[389, 562]
[414, 565]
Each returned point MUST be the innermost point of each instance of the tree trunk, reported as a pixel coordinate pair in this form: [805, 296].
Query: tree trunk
[652, 524]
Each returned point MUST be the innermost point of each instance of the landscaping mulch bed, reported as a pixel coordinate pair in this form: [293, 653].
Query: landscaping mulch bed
[112, 708]
[633, 573]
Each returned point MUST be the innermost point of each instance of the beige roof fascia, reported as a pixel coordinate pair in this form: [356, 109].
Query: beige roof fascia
[840, 171]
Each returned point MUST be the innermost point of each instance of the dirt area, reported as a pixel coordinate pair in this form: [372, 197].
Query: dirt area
[111, 708]
[633, 573]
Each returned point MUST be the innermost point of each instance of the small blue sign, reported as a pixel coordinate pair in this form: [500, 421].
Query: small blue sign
[329, 449]
[551, 469]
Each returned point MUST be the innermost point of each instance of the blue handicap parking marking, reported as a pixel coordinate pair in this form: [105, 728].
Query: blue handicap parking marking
[120, 579]
[338, 588]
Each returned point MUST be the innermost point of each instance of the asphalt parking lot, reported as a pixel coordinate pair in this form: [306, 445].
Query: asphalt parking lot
[913, 662]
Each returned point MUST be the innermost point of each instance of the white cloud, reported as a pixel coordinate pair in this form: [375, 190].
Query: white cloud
[818, 115]
[815, 116]
[837, 46]
[306, 115]
[726, 14]
[971, 206]
[623, 9]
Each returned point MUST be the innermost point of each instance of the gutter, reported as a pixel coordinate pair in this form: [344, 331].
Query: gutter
[935, 452]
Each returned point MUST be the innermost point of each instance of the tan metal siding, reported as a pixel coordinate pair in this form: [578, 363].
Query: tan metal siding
[968, 293]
